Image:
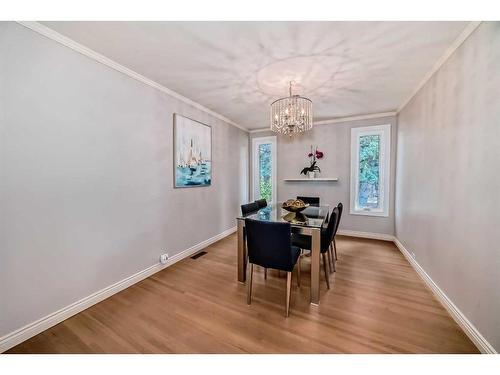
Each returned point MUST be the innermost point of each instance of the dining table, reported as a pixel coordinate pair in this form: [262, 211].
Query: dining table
[308, 222]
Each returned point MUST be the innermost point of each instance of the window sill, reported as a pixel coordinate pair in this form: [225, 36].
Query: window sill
[369, 213]
[316, 179]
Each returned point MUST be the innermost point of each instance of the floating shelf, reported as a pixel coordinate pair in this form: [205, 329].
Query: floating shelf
[319, 179]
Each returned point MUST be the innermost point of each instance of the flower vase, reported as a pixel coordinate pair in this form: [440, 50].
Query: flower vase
[310, 174]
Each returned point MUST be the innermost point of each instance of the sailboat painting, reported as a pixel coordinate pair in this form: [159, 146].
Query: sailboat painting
[192, 153]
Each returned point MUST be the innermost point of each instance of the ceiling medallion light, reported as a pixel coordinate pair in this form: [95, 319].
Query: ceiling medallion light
[291, 115]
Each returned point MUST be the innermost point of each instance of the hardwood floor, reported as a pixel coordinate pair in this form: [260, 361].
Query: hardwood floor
[377, 304]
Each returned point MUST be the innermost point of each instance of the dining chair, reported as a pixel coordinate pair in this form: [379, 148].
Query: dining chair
[261, 203]
[305, 242]
[269, 245]
[313, 201]
[249, 208]
[340, 206]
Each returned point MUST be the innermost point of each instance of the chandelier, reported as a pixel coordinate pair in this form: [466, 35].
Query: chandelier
[291, 115]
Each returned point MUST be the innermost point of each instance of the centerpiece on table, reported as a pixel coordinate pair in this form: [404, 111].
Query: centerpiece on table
[313, 170]
[294, 207]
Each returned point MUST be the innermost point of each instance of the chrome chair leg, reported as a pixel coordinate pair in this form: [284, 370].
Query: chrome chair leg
[329, 255]
[298, 272]
[288, 292]
[333, 263]
[249, 285]
[327, 274]
[333, 259]
[331, 250]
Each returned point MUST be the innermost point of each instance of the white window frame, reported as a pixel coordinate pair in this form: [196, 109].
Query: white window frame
[384, 131]
[256, 142]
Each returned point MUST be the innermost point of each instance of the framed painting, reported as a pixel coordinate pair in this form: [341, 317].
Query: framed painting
[192, 153]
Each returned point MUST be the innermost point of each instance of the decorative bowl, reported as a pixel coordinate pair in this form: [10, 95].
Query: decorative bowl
[291, 205]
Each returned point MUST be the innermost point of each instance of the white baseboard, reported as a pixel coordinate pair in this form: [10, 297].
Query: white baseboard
[12, 339]
[470, 330]
[374, 236]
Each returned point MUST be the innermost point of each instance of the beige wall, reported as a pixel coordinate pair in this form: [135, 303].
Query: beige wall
[86, 195]
[86, 177]
[335, 141]
[448, 179]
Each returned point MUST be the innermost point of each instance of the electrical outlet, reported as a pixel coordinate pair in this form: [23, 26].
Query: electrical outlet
[163, 258]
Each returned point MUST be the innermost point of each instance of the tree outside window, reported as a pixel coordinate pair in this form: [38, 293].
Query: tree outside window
[369, 168]
[265, 166]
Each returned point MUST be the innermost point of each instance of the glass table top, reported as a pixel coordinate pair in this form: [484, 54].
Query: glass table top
[312, 216]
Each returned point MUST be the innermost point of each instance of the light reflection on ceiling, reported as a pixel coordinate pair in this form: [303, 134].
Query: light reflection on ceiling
[238, 68]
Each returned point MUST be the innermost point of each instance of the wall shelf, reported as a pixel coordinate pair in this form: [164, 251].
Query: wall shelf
[319, 179]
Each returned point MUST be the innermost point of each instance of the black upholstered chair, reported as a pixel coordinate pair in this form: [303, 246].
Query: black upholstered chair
[249, 208]
[305, 243]
[261, 202]
[340, 206]
[269, 245]
[313, 201]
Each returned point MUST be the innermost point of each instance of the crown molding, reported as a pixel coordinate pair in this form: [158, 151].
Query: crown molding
[261, 130]
[70, 43]
[469, 29]
[464, 35]
[340, 119]
[356, 118]
[54, 35]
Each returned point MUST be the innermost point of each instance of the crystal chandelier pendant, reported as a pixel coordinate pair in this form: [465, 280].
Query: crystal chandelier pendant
[292, 114]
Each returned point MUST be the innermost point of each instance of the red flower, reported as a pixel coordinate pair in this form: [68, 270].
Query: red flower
[310, 154]
[319, 155]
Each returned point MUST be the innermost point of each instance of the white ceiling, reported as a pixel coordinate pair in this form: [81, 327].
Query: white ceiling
[238, 68]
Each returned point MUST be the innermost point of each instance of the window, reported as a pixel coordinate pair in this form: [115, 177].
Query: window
[370, 168]
[264, 168]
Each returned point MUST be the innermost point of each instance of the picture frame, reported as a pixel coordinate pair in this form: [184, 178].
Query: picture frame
[192, 153]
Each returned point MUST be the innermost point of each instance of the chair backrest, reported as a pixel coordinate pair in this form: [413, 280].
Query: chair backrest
[249, 208]
[261, 202]
[269, 244]
[340, 207]
[313, 201]
[328, 233]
